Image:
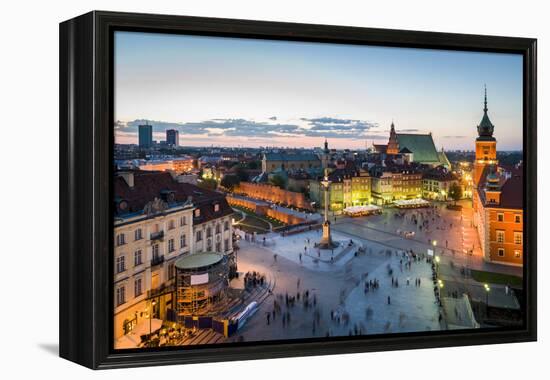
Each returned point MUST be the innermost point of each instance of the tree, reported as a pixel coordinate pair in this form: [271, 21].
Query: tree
[229, 181]
[208, 183]
[254, 165]
[278, 181]
[242, 174]
[455, 192]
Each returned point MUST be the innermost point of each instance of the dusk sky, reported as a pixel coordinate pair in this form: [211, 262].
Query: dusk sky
[245, 92]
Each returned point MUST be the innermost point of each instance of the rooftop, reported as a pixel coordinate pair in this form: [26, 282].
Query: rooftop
[421, 145]
[198, 260]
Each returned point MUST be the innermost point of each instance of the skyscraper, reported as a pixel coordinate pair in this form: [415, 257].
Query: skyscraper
[145, 136]
[172, 137]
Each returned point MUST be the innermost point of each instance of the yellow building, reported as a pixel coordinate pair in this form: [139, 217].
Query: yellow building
[349, 187]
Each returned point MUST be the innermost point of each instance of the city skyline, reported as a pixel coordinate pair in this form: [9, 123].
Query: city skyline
[255, 93]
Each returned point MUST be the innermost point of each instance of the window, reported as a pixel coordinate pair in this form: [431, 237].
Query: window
[226, 245]
[197, 213]
[500, 217]
[171, 225]
[120, 295]
[517, 254]
[216, 207]
[183, 243]
[500, 236]
[138, 258]
[218, 228]
[138, 234]
[501, 252]
[208, 232]
[138, 290]
[518, 237]
[199, 235]
[155, 251]
[517, 218]
[120, 264]
[171, 271]
[171, 247]
[120, 239]
[183, 221]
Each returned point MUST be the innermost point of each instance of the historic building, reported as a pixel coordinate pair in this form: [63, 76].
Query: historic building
[273, 194]
[395, 182]
[291, 161]
[158, 220]
[418, 148]
[437, 182]
[348, 187]
[497, 200]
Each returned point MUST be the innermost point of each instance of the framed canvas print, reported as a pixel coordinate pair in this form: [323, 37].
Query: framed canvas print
[238, 189]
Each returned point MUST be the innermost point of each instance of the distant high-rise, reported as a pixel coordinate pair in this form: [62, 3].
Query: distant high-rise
[145, 136]
[172, 137]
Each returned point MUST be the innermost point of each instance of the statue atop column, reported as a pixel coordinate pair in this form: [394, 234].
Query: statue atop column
[326, 241]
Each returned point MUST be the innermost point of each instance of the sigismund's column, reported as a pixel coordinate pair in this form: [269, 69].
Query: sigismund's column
[326, 240]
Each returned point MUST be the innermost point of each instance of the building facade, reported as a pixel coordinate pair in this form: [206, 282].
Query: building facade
[437, 182]
[348, 187]
[497, 198]
[173, 137]
[145, 136]
[279, 161]
[157, 221]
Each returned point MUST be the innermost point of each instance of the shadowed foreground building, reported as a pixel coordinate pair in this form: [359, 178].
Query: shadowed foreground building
[157, 221]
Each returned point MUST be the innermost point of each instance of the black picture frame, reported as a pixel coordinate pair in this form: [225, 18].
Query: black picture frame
[86, 148]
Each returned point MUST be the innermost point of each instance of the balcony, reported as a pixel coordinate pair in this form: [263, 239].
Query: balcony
[157, 235]
[157, 260]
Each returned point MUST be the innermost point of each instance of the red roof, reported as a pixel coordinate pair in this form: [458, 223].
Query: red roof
[149, 185]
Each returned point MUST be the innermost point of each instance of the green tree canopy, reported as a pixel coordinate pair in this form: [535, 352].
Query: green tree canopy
[455, 192]
[278, 181]
[208, 183]
[229, 181]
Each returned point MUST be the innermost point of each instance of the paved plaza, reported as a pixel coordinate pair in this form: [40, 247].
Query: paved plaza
[374, 281]
[338, 289]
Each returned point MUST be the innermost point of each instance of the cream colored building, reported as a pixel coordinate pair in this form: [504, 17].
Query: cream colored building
[151, 232]
[146, 247]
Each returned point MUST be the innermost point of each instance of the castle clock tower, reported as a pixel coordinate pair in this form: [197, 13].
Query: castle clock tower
[486, 145]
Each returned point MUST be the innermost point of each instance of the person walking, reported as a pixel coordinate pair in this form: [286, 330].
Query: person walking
[389, 300]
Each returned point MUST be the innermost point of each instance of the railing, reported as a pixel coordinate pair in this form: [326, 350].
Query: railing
[157, 235]
[157, 260]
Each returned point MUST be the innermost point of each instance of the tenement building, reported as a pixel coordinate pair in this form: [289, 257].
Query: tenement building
[497, 200]
[158, 220]
[349, 186]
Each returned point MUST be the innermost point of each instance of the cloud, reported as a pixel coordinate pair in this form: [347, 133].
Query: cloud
[454, 137]
[315, 127]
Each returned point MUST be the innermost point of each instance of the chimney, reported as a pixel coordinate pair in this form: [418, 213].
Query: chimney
[128, 177]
